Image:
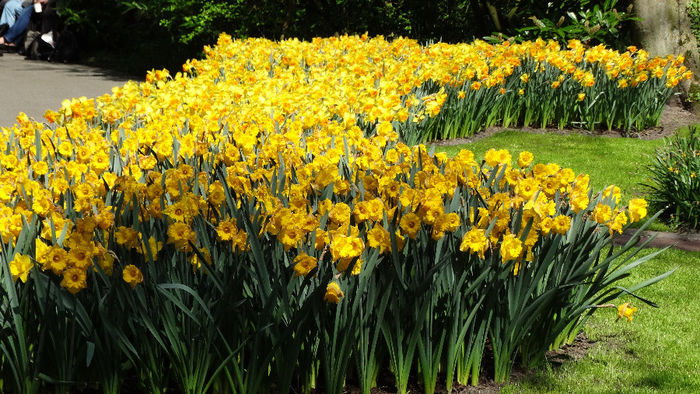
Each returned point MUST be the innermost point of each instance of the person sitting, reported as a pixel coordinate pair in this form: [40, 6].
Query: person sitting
[15, 33]
[11, 11]
[42, 34]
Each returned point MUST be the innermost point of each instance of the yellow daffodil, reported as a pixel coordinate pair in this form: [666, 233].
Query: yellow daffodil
[626, 310]
[132, 275]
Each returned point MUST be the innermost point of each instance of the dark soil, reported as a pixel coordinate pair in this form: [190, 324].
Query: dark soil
[689, 241]
[573, 352]
[674, 116]
[576, 351]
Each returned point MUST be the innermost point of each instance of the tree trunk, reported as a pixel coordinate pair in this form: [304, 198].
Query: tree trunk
[289, 17]
[664, 29]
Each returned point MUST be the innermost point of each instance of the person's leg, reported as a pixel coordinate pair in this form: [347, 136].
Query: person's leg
[19, 27]
[10, 12]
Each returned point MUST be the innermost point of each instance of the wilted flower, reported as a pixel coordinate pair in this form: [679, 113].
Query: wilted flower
[304, 264]
[333, 293]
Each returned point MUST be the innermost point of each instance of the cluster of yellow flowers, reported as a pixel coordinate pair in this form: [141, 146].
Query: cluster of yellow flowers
[261, 110]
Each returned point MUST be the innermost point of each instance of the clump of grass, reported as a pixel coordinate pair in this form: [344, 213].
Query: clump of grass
[674, 182]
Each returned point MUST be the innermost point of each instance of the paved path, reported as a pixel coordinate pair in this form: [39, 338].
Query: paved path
[33, 87]
[683, 241]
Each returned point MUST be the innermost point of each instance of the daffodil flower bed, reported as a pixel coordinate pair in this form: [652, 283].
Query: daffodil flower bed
[254, 223]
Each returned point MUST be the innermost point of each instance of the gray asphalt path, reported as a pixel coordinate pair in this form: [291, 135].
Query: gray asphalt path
[33, 87]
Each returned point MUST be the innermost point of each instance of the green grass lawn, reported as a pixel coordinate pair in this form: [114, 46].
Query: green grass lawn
[657, 352]
[608, 160]
[660, 349]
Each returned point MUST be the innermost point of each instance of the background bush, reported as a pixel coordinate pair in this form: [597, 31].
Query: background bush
[157, 33]
[674, 180]
[693, 8]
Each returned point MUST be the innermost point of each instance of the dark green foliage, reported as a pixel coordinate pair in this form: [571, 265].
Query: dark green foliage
[591, 21]
[170, 31]
[674, 182]
[124, 35]
[693, 9]
[158, 33]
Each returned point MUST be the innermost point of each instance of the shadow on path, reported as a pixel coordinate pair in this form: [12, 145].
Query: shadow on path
[33, 87]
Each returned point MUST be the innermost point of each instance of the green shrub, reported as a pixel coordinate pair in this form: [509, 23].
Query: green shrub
[693, 9]
[170, 31]
[591, 21]
[674, 180]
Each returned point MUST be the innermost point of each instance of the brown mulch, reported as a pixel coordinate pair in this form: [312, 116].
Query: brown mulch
[683, 241]
[674, 116]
